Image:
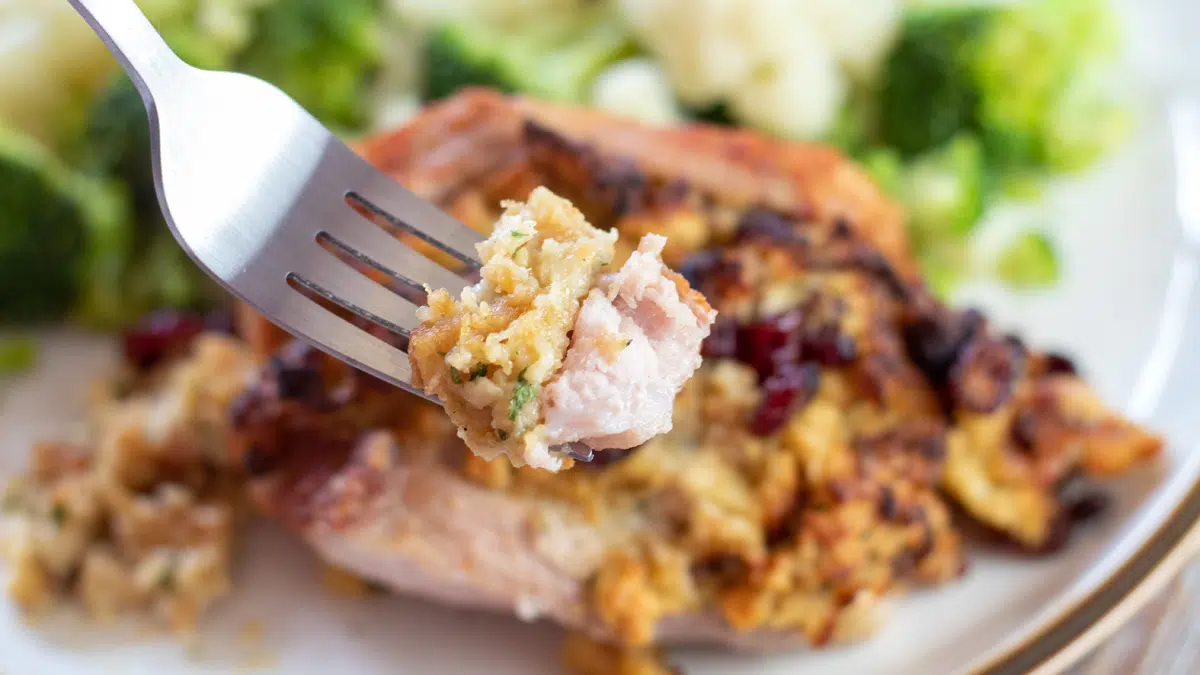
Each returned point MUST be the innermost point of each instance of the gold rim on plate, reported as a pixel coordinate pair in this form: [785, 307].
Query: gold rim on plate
[1079, 629]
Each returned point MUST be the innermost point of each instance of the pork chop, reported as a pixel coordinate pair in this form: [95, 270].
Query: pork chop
[840, 416]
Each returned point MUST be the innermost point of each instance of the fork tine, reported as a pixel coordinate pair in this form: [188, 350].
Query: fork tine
[379, 249]
[406, 211]
[345, 286]
[308, 321]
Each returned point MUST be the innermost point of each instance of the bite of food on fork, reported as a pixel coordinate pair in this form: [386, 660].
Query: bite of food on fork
[556, 345]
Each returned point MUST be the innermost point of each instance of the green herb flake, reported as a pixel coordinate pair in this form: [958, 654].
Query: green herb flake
[455, 375]
[628, 341]
[502, 434]
[522, 393]
[17, 355]
[59, 514]
[518, 235]
[480, 371]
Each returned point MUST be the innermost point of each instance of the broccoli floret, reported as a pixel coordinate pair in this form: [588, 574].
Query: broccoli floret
[885, 167]
[928, 93]
[945, 190]
[323, 54]
[61, 230]
[554, 59]
[1086, 121]
[1029, 262]
[156, 273]
[1030, 65]
[944, 264]
[1017, 75]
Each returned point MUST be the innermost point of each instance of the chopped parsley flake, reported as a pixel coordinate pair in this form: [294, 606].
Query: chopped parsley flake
[480, 371]
[518, 235]
[455, 375]
[59, 514]
[522, 394]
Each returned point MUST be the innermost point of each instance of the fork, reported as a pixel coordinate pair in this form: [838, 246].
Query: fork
[278, 210]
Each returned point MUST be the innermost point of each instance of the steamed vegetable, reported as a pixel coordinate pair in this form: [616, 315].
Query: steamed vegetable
[62, 234]
[636, 88]
[927, 93]
[1029, 261]
[944, 189]
[50, 64]
[1028, 78]
[781, 67]
[555, 58]
[324, 54]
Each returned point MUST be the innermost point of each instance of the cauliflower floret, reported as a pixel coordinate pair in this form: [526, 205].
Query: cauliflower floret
[858, 33]
[707, 47]
[48, 58]
[637, 88]
[781, 65]
[430, 12]
[799, 94]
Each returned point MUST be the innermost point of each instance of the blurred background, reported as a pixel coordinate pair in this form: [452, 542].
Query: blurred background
[952, 107]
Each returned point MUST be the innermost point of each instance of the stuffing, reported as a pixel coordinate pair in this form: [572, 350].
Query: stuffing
[548, 350]
[140, 517]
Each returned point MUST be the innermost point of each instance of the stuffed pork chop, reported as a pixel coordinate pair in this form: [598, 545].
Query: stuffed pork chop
[840, 416]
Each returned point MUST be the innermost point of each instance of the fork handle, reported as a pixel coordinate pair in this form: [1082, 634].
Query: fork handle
[131, 38]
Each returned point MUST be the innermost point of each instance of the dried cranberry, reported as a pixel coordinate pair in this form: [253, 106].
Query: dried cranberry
[1081, 499]
[1059, 364]
[159, 336]
[771, 343]
[220, 322]
[936, 339]
[985, 375]
[299, 381]
[785, 392]
[1024, 431]
[1088, 506]
[722, 341]
[721, 566]
[257, 461]
[712, 273]
[762, 224]
[699, 266]
[828, 347]
[888, 508]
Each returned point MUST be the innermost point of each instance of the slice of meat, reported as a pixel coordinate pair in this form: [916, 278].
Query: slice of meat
[635, 343]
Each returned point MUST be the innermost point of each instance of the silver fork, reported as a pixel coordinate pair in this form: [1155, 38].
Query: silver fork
[277, 209]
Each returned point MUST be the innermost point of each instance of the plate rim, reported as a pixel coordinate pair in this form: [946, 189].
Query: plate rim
[1067, 638]
[1074, 632]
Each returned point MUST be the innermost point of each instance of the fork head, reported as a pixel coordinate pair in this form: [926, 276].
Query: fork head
[294, 223]
[281, 212]
[289, 219]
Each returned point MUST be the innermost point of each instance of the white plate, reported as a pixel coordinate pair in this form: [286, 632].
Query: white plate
[1128, 308]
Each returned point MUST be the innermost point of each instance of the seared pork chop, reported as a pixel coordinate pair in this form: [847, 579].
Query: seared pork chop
[840, 416]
